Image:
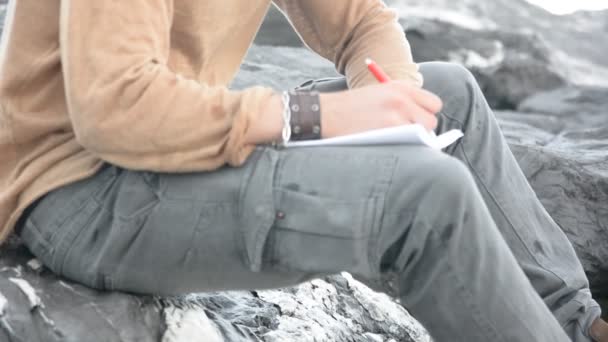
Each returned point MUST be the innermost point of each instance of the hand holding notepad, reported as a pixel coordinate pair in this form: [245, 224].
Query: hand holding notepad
[407, 134]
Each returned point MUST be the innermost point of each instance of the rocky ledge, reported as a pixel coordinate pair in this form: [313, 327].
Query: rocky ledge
[547, 83]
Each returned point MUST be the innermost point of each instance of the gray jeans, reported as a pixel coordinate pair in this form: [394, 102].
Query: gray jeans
[459, 237]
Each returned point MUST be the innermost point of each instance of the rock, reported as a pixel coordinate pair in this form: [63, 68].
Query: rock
[508, 66]
[339, 309]
[577, 107]
[40, 307]
[276, 31]
[334, 309]
[578, 41]
[190, 325]
[281, 67]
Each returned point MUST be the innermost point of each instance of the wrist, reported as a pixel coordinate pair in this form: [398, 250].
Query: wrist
[270, 124]
[304, 114]
[329, 105]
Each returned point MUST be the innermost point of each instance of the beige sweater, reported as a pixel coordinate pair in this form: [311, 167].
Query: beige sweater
[142, 83]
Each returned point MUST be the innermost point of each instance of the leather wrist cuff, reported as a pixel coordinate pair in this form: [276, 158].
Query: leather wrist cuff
[305, 115]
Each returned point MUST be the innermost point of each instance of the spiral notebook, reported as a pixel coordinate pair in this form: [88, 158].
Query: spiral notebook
[400, 135]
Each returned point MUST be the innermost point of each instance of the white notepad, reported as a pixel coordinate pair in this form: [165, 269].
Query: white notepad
[400, 135]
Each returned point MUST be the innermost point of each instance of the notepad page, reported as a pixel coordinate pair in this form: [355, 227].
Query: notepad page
[400, 135]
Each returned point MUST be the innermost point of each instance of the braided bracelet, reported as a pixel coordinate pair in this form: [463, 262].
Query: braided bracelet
[286, 133]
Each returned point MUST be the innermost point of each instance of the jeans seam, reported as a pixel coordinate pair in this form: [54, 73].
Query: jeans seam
[373, 253]
[31, 230]
[59, 245]
[475, 311]
[491, 195]
[65, 247]
[265, 226]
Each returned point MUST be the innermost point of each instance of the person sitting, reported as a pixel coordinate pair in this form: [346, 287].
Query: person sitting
[126, 164]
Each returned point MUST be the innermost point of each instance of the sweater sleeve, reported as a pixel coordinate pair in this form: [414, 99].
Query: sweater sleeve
[349, 31]
[129, 109]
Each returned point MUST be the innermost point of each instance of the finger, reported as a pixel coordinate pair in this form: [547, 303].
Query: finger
[422, 116]
[426, 99]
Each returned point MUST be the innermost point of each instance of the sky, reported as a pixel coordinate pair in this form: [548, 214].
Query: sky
[568, 6]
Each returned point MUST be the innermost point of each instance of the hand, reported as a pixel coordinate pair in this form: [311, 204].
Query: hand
[378, 106]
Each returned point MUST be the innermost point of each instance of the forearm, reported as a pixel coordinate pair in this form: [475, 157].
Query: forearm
[349, 31]
[270, 125]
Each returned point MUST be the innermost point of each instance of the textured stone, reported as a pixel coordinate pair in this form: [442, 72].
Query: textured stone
[276, 31]
[336, 308]
[281, 67]
[41, 307]
[508, 66]
[579, 42]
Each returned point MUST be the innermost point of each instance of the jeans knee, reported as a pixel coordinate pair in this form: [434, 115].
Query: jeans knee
[450, 178]
[433, 175]
[434, 203]
[455, 85]
[432, 186]
[437, 203]
[452, 76]
[446, 209]
[451, 191]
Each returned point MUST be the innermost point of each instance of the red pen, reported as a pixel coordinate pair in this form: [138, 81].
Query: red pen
[375, 69]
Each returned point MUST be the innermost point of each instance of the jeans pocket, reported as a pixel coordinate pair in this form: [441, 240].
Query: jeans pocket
[71, 231]
[52, 252]
[37, 241]
[322, 235]
[320, 188]
[59, 205]
[135, 194]
[52, 224]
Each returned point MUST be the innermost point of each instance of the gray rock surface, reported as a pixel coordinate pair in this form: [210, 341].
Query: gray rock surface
[281, 67]
[36, 306]
[579, 41]
[508, 66]
[336, 308]
[556, 127]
